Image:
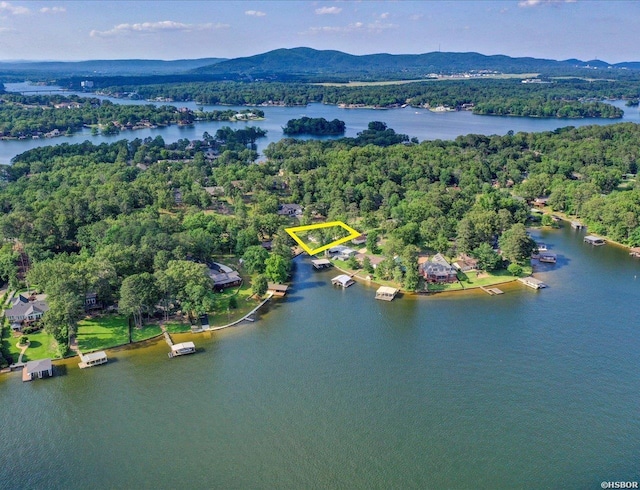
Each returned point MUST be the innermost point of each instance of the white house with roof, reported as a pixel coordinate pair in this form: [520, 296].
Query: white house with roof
[24, 310]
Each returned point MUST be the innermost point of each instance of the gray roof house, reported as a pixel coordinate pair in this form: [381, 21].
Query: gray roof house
[25, 310]
[290, 210]
[438, 270]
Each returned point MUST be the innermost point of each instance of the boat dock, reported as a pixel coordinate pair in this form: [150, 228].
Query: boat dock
[532, 282]
[319, 264]
[594, 240]
[92, 359]
[182, 349]
[492, 291]
[386, 293]
[177, 349]
[37, 369]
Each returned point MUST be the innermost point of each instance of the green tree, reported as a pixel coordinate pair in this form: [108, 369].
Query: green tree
[276, 268]
[138, 295]
[254, 259]
[259, 285]
[516, 245]
[488, 258]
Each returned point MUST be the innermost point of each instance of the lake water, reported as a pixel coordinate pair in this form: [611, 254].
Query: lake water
[420, 123]
[332, 389]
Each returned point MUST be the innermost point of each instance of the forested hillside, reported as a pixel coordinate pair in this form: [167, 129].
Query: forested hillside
[94, 216]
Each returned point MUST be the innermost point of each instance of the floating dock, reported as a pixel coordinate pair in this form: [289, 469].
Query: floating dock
[576, 225]
[319, 264]
[182, 349]
[343, 281]
[594, 240]
[532, 282]
[386, 293]
[92, 359]
[492, 291]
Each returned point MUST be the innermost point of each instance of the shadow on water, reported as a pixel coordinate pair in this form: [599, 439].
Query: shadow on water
[60, 370]
[561, 261]
[308, 285]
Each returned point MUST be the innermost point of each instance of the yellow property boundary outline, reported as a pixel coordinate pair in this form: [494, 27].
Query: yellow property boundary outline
[292, 231]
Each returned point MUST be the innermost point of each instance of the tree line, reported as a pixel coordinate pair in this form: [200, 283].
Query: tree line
[24, 116]
[89, 217]
[542, 99]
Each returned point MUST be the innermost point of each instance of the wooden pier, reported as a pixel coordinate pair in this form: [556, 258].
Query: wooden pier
[177, 349]
[492, 291]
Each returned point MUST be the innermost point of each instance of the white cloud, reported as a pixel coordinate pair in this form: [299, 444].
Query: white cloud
[416, 16]
[328, 10]
[52, 10]
[7, 29]
[385, 15]
[7, 7]
[535, 3]
[153, 27]
[354, 27]
[254, 13]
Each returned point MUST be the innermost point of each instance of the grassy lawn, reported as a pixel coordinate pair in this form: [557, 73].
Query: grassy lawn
[440, 287]
[41, 346]
[102, 332]
[108, 331]
[496, 277]
[177, 327]
[222, 315]
[362, 274]
[145, 333]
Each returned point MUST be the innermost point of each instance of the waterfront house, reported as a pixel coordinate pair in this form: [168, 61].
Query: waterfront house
[223, 277]
[343, 281]
[293, 210]
[26, 310]
[374, 260]
[341, 252]
[540, 202]
[37, 369]
[359, 240]
[438, 270]
[465, 263]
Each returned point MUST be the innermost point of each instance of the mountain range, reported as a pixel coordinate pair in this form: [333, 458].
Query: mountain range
[307, 64]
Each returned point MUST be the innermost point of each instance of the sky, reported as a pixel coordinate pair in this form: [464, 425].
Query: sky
[169, 30]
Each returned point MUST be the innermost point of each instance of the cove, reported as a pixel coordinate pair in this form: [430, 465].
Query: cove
[332, 389]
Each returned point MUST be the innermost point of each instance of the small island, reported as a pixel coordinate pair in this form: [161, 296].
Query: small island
[316, 126]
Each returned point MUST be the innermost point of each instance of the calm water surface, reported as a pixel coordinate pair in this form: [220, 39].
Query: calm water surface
[420, 123]
[332, 389]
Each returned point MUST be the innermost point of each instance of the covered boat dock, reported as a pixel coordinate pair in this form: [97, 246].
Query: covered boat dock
[343, 281]
[386, 293]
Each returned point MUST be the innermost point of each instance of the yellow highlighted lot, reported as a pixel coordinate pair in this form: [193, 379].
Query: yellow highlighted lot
[296, 229]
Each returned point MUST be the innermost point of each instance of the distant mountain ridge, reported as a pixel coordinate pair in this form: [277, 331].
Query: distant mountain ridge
[108, 67]
[308, 62]
[312, 65]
